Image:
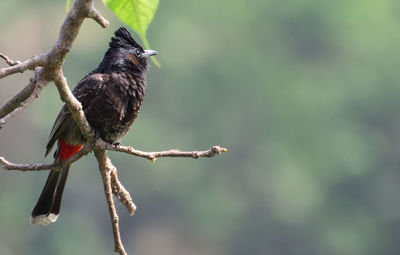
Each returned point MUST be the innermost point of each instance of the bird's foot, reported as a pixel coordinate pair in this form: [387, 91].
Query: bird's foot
[116, 144]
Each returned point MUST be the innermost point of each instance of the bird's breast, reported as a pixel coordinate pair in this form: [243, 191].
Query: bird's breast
[122, 99]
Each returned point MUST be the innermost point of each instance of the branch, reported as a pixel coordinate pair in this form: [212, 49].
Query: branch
[215, 150]
[74, 105]
[40, 167]
[51, 61]
[21, 67]
[80, 10]
[8, 60]
[96, 16]
[25, 97]
[121, 193]
[13, 102]
[106, 168]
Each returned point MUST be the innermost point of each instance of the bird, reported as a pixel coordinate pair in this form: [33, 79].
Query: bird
[111, 96]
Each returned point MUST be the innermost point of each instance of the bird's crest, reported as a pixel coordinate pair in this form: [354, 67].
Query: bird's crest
[123, 39]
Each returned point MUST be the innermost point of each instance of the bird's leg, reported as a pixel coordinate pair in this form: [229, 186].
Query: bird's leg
[96, 133]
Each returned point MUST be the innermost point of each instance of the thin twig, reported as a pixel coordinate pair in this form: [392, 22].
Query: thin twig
[96, 16]
[121, 193]
[215, 150]
[8, 60]
[29, 64]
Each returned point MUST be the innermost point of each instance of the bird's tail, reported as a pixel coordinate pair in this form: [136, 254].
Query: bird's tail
[48, 206]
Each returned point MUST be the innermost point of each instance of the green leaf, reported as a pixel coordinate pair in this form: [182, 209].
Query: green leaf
[137, 14]
[67, 4]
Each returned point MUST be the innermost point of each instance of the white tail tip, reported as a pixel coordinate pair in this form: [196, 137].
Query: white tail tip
[44, 219]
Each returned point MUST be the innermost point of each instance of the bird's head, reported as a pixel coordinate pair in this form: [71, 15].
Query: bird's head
[125, 53]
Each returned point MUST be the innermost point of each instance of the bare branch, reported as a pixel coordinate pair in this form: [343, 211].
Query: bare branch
[94, 14]
[106, 168]
[8, 60]
[215, 150]
[19, 102]
[40, 167]
[16, 100]
[70, 28]
[121, 193]
[52, 61]
[73, 104]
[21, 67]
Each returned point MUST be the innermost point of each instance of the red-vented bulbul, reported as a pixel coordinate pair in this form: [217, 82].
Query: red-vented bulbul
[111, 96]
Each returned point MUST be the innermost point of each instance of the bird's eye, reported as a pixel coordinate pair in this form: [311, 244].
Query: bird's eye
[137, 53]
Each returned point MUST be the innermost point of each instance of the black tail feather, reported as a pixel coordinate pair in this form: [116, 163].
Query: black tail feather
[48, 206]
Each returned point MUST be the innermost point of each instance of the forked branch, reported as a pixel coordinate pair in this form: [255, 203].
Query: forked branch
[106, 168]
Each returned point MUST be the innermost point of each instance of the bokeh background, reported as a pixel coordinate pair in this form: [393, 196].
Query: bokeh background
[304, 94]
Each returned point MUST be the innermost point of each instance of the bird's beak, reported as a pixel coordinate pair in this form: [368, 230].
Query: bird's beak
[148, 53]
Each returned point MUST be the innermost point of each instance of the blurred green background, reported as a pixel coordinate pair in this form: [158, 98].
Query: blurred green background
[304, 94]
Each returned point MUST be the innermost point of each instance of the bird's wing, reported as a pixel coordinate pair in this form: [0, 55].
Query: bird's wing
[84, 91]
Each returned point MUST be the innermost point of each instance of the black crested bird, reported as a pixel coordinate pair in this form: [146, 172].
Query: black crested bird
[111, 96]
